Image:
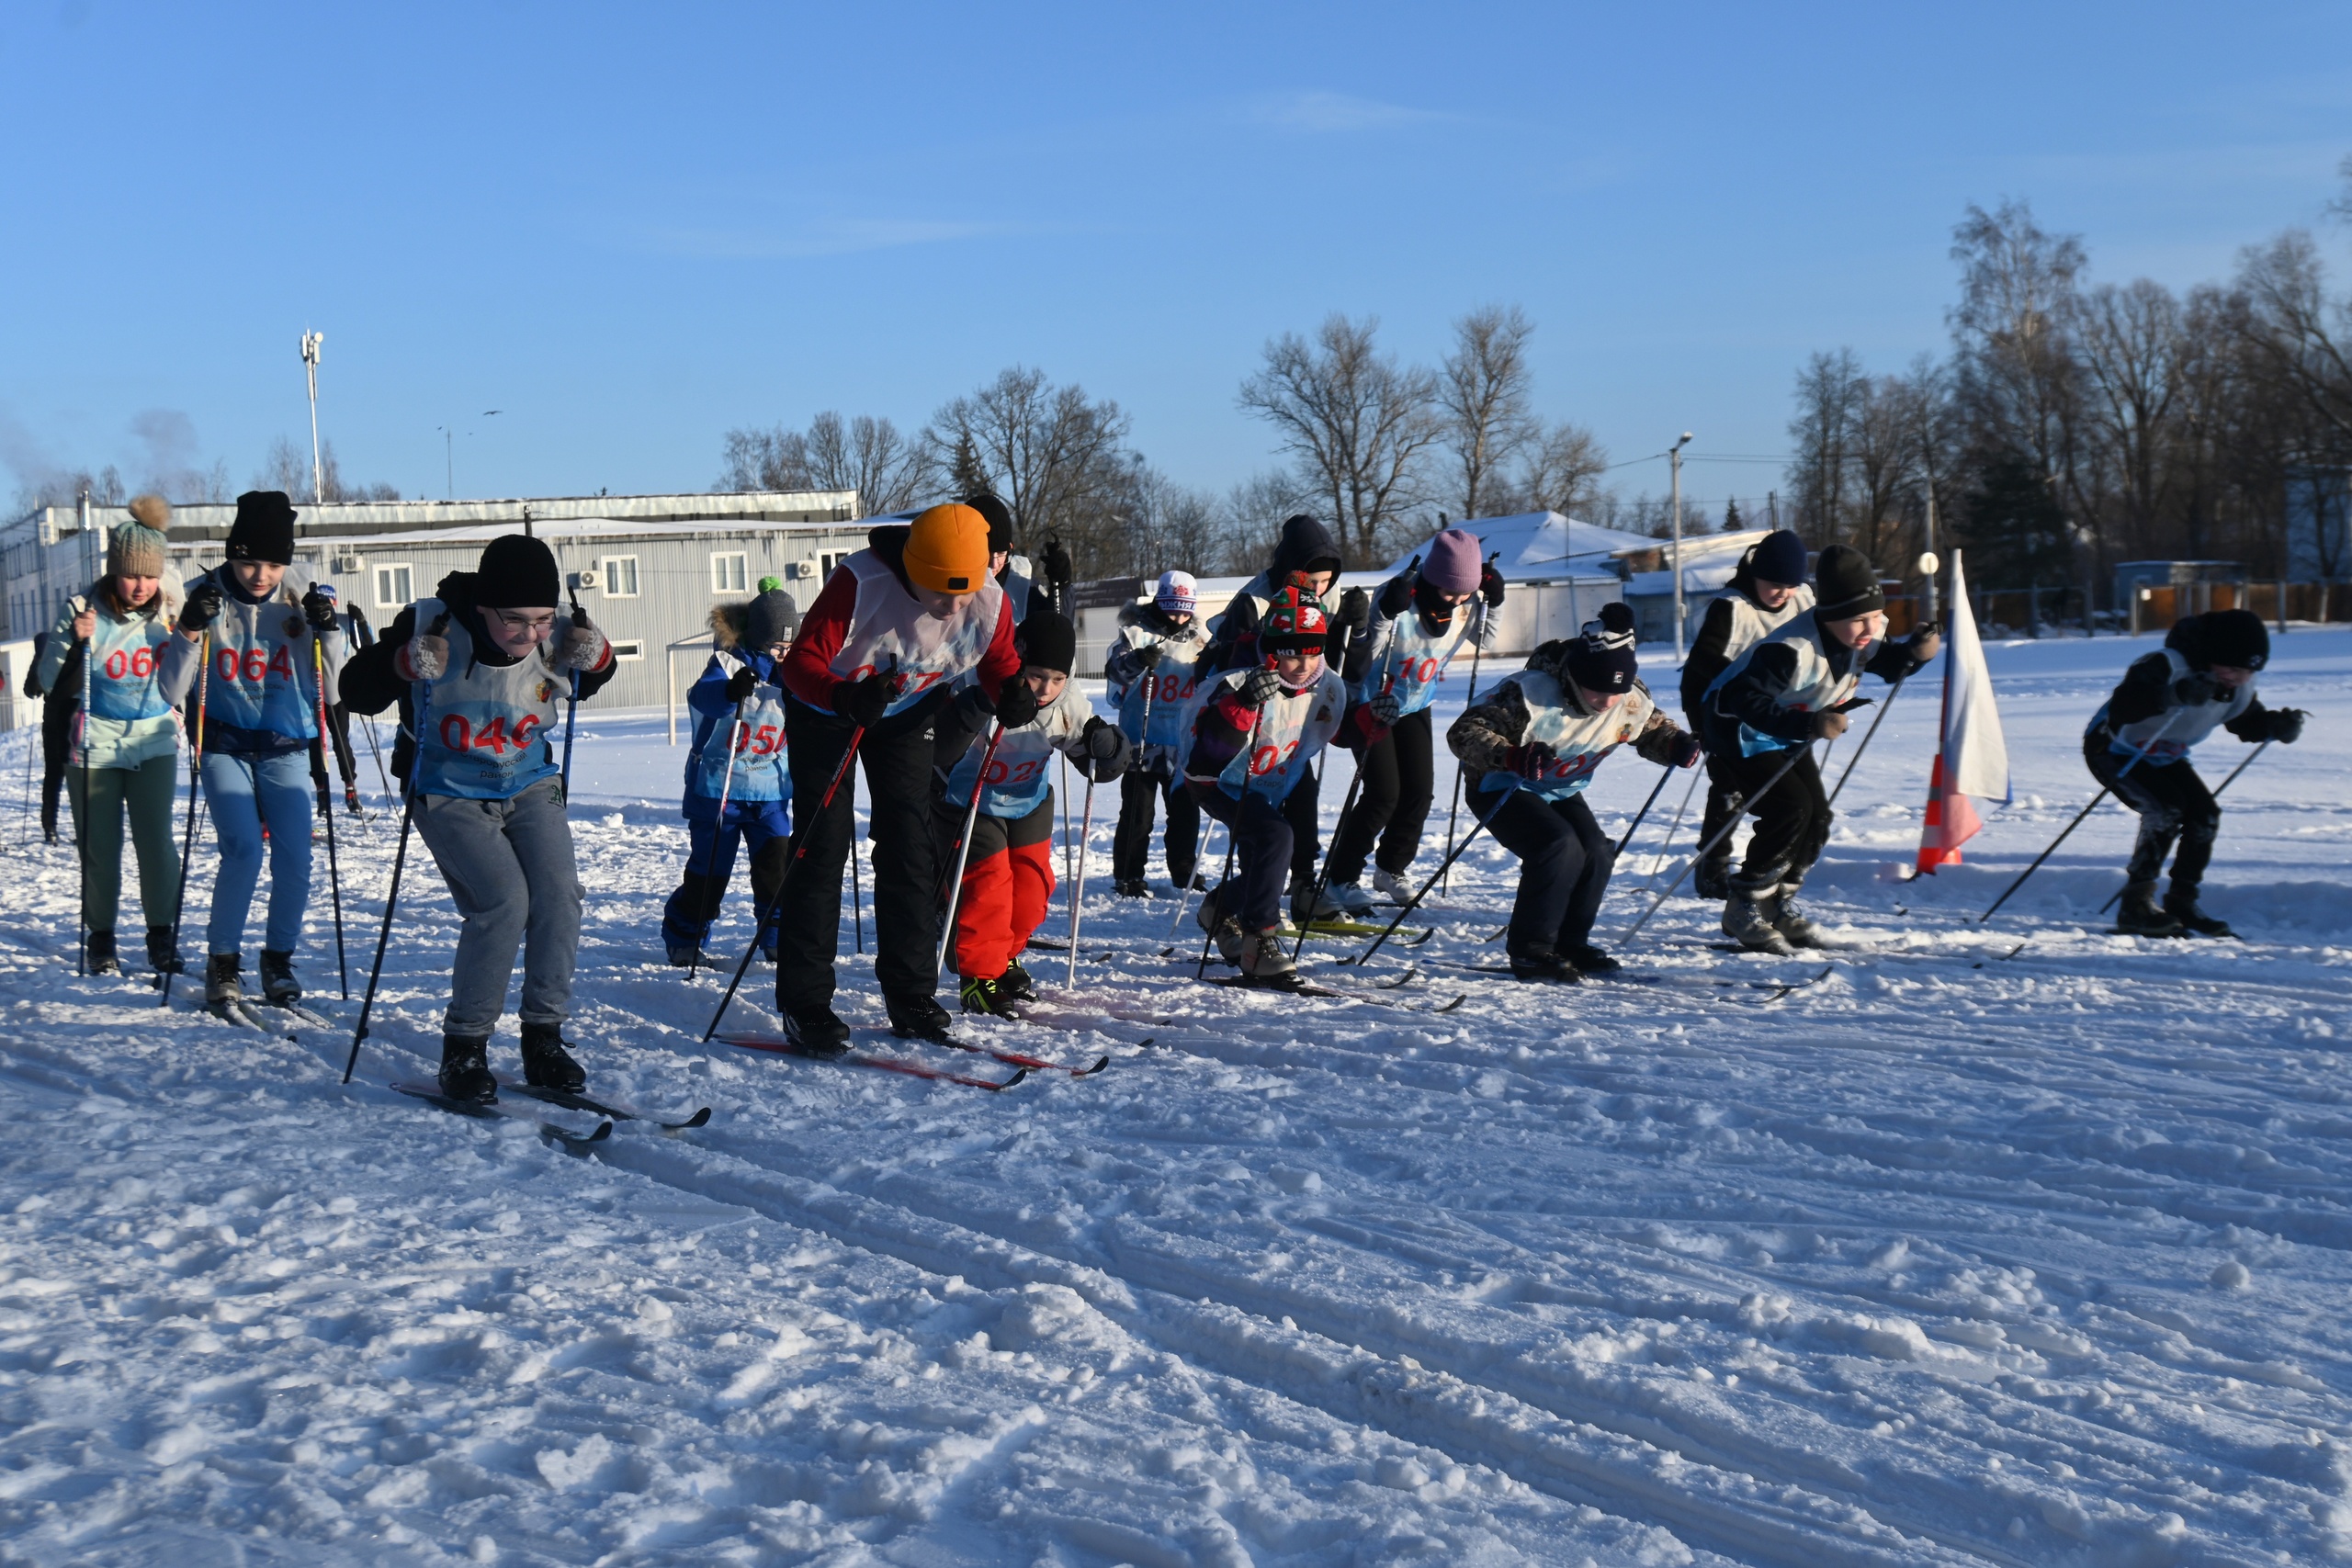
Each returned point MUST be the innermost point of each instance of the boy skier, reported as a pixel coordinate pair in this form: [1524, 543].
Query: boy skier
[1539, 736]
[1790, 689]
[121, 625]
[1008, 866]
[1766, 593]
[495, 660]
[262, 632]
[738, 788]
[1248, 752]
[875, 664]
[1420, 619]
[2138, 745]
[1151, 678]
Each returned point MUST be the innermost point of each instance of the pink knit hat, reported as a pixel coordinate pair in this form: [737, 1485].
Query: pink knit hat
[1452, 565]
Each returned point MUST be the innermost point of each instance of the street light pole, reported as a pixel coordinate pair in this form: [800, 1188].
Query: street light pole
[311, 342]
[1674, 455]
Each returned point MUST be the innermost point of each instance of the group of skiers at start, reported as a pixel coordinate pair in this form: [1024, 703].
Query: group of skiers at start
[929, 663]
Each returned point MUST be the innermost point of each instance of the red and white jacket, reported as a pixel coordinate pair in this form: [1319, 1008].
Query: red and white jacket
[867, 620]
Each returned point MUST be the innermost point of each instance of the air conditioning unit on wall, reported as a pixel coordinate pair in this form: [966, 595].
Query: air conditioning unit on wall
[349, 566]
[587, 580]
[797, 570]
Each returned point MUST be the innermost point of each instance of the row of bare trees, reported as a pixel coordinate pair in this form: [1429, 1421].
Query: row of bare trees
[2076, 424]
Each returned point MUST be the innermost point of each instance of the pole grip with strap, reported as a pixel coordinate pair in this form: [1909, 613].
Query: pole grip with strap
[326, 808]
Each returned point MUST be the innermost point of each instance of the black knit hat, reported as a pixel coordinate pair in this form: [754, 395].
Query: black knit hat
[1844, 584]
[1779, 558]
[772, 618]
[517, 573]
[264, 529]
[1047, 640]
[1000, 520]
[1602, 659]
[2234, 637]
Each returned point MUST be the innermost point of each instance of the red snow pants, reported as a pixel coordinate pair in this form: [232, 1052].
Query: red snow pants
[1007, 882]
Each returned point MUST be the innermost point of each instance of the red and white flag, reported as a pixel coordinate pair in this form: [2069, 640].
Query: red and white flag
[1971, 756]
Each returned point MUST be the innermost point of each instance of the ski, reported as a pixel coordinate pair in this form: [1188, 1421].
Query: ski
[1360, 928]
[781, 1045]
[617, 1110]
[1775, 992]
[1301, 988]
[1021, 1059]
[555, 1132]
[299, 1013]
[242, 1016]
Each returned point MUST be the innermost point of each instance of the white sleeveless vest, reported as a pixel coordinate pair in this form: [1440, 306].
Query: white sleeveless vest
[1289, 731]
[891, 633]
[1412, 660]
[1581, 739]
[487, 732]
[1815, 689]
[1021, 771]
[2169, 736]
[1751, 623]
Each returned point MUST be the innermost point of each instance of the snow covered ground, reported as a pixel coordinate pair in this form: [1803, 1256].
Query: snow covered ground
[2045, 1261]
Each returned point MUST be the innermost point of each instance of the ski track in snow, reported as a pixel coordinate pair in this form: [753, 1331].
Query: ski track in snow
[2040, 1261]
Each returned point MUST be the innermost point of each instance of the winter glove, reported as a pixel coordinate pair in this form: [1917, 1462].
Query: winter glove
[2194, 688]
[862, 701]
[203, 607]
[1356, 613]
[318, 608]
[1385, 709]
[973, 709]
[583, 644]
[1055, 562]
[1397, 593]
[1016, 703]
[1687, 750]
[427, 654]
[1535, 759]
[1925, 643]
[2287, 724]
[86, 619]
[1108, 752]
[1257, 688]
[1147, 655]
[1491, 583]
[742, 685]
[1829, 725]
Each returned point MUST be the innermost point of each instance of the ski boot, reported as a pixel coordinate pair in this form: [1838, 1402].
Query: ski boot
[1586, 959]
[1748, 917]
[1343, 901]
[1789, 921]
[1541, 965]
[279, 988]
[1131, 887]
[223, 993]
[103, 960]
[545, 1064]
[2141, 915]
[981, 995]
[465, 1069]
[1388, 886]
[817, 1030]
[163, 951]
[1263, 958]
[685, 954]
[1015, 982]
[918, 1016]
[2181, 905]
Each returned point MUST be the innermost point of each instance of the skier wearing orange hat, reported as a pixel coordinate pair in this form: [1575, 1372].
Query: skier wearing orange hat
[876, 659]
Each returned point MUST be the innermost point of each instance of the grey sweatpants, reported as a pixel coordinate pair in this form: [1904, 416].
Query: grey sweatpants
[511, 874]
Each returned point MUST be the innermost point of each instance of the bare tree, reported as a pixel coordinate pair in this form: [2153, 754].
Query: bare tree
[1829, 393]
[1055, 454]
[764, 460]
[1559, 470]
[867, 455]
[288, 469]
[1356, 421]
[1483, 390]
[2135, 357]
[2288, 325]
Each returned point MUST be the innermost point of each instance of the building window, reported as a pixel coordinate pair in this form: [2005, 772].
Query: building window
[627, 651]
[730, 572]
[829, 560]
[394, 587]
[620, 577]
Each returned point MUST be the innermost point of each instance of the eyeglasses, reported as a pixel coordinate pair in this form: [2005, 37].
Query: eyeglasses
[514, 623]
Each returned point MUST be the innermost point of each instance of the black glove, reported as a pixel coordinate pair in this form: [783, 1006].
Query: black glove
[2287, 724]
[1146, 655]
[862, 701]
[1535, 758]
[1685, 750]
[1108, 750]
[2194, 688]
[203, 607]
[973, 708]
[1257, 688]
[1396, 592]
[1356, 613]
[742, 685]
[318, 609]
[1055, 562]
[1016, 703]
[1491, 583]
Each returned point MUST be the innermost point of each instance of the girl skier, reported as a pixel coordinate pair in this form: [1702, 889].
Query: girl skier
[1420, 619]
[738, 787]
[1789, 690]
[495, 662]
[1151, 678]
[2138, 745]
[1249, 750]
[1539, 736]
[1767, 592]
[271, 633]
[1009, 869]
[128, 736]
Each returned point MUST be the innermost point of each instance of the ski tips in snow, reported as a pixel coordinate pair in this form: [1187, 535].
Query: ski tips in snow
[555, 1133]
[907, 1067]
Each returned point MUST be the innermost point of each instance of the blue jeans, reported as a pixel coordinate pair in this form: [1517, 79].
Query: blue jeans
[242, 791]
[765, 827]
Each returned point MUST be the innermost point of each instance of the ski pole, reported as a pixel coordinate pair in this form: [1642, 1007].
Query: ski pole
[82, 606]
[2115, 897]
[955, 888]
[1451, 856]
[1224, 878]
[718, 831]
[571, 712]
[1078, 890]
[194, 794]
[420, 727]
[857, 890]
[2104, 789]
[800, 852]
[1663, 774]
[326, 808]
[1876, 720]
[1346, 806]
[1184, 895]
[1477, 651]
[1796, 754]
[1667, 843]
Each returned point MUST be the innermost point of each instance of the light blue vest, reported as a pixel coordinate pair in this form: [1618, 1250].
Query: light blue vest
[759, 770]
[262, 675]
[487, 733]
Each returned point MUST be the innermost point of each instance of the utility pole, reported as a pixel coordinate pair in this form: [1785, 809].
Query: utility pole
[450, 458]
[311, 342]
[1929, 562]
[1674, 455]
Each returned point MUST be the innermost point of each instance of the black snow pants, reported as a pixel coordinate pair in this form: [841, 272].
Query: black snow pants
[2173, 804]
[1261, 849]
[1792, 817]
[1140, 793]
[1563, 864]
[1392, 803]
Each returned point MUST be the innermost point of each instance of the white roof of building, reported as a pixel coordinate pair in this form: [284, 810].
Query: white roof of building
[1540, 543]
[1708, 561]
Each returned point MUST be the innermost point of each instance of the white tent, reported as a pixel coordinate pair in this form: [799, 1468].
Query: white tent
[1543, 543]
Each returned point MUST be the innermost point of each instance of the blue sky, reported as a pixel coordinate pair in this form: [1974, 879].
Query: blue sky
[631, 228]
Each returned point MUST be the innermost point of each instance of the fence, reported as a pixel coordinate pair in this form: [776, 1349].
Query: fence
[2155, 606]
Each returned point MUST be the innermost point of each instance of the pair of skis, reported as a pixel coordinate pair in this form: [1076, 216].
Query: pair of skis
[606, 1111]
[1022, 1062]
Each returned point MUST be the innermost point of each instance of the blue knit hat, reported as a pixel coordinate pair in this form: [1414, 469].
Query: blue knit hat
[1779, 558]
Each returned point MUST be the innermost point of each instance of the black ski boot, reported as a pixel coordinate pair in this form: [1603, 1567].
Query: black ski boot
[1015, 982]
[465, 1069]
[164, 952]
[1587, 959]
[545, 1064]
[685, 955]
[918, 1017]
[981, 995]
[222, 989]
[818, 1031]
[279, 988]
[1131, 887]
[1747, 915]
[2141, 915]
[103, 960]
[1541, 965]
[2181, 905]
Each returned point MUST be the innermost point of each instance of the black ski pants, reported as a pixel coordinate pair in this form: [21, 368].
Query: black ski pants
[1563, 864]
[56, 751]
[1140, 793]
[1302, 808]
[1263, 843]
[1721, 811]
[1791, 816]
[897, 757]
[2173, 804]
[1392, 803]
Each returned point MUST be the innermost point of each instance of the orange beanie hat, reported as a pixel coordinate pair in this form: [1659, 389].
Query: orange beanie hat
[947, 549]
